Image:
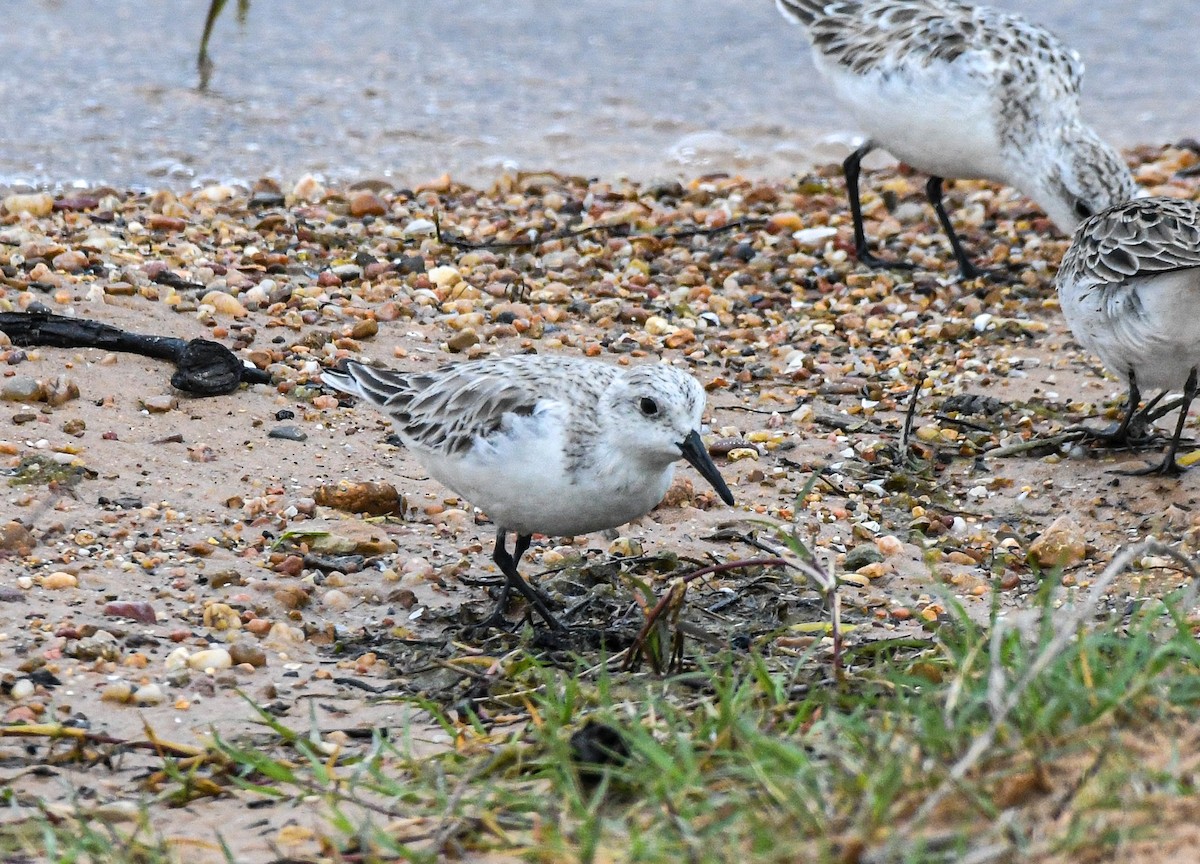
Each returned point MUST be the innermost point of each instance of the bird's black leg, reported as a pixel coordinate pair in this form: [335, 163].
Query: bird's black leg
[508, 566]
[852, 168]
[1151, 413]
[1169, 467]
[1120, 435]
[966, 269]
[1133, 423]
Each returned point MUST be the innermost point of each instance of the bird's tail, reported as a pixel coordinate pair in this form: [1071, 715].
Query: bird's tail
[801, 12]
[355, 379]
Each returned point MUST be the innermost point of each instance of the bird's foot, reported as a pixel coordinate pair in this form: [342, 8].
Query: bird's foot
[869, 259]
[1167, 468]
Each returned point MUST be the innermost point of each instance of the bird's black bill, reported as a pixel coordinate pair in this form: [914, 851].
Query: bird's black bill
[696, 454]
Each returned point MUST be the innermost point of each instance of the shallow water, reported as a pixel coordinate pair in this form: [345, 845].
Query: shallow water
[404, 90]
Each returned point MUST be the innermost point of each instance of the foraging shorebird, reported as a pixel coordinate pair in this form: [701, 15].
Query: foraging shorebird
[544, 445]
[1128, 287]
[962, 91]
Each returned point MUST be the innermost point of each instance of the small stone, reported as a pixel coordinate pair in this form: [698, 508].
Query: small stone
[445, 276]
[367, 204]
[888, 545]
[74, 427]
[36, 204]
[373, 499]
[353, 537]
[118, 691]
[148, 694]
[59, 580]
[71, 261]
[159, 222]
[308, 188]
[292, 596]
[177, 659]
[22, 389]
[288, 433]
[22, 689]
[335, 599]
[221, 616]
[365, 329]
[292, 565]
[739, 453]
[248, 653]
[1062, 544]
[873, 571]
[61, 391]
[135, 610]
[210, 658]
[224, 304]
[462, 340]
[160, 404]
[860, 556]
[14, 537]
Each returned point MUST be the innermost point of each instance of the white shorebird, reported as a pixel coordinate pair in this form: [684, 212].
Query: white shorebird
[1129, 287]
[963, 91]
[544, 445]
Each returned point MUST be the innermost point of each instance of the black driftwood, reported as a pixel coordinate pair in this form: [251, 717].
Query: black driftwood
[204, 368]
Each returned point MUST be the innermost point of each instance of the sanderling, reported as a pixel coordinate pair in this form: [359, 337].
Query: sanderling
[963, 91]
[1128, 287]
[544, 445]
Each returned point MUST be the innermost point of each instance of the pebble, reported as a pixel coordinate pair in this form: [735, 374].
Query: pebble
[288, 433]
[335, 599]
[160, 404]
[224, 304]
[118, 691]
[308, 188]
[248, 653]
[221, 616]
[58, 580]
[367, 204]
[22, 689]
[22, 389]
[210, 658]
[862, 555]
[462, 340]
[445, 276]
[136, 610]
[372, 499]
[14, 537]
[149, 694]
[177, 659]
[418, 228]
[1062, 544]
[36, 204]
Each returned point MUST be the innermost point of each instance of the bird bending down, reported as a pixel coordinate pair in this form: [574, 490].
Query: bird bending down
[1129, 287]
[961, 91]
[544, 445]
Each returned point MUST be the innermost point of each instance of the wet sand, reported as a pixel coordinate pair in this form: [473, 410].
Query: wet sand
[105, 92]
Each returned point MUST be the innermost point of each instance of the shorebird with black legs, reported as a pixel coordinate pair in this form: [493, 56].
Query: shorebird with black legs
[962, 91]
[1129, 287]
[544, 445]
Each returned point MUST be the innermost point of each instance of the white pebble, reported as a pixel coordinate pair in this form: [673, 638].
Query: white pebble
[21, 689]
[148, 694]
[210, 658]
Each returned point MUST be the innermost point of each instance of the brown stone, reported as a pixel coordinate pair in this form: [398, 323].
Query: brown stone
[373, 499]
[1062, 544]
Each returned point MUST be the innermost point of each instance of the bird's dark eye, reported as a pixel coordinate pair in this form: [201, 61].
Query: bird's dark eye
[649, 406]
[1082, 210]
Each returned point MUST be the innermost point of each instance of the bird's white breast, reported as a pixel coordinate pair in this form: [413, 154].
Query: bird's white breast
[939, 118]
[1147, 324]
[522, 480]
